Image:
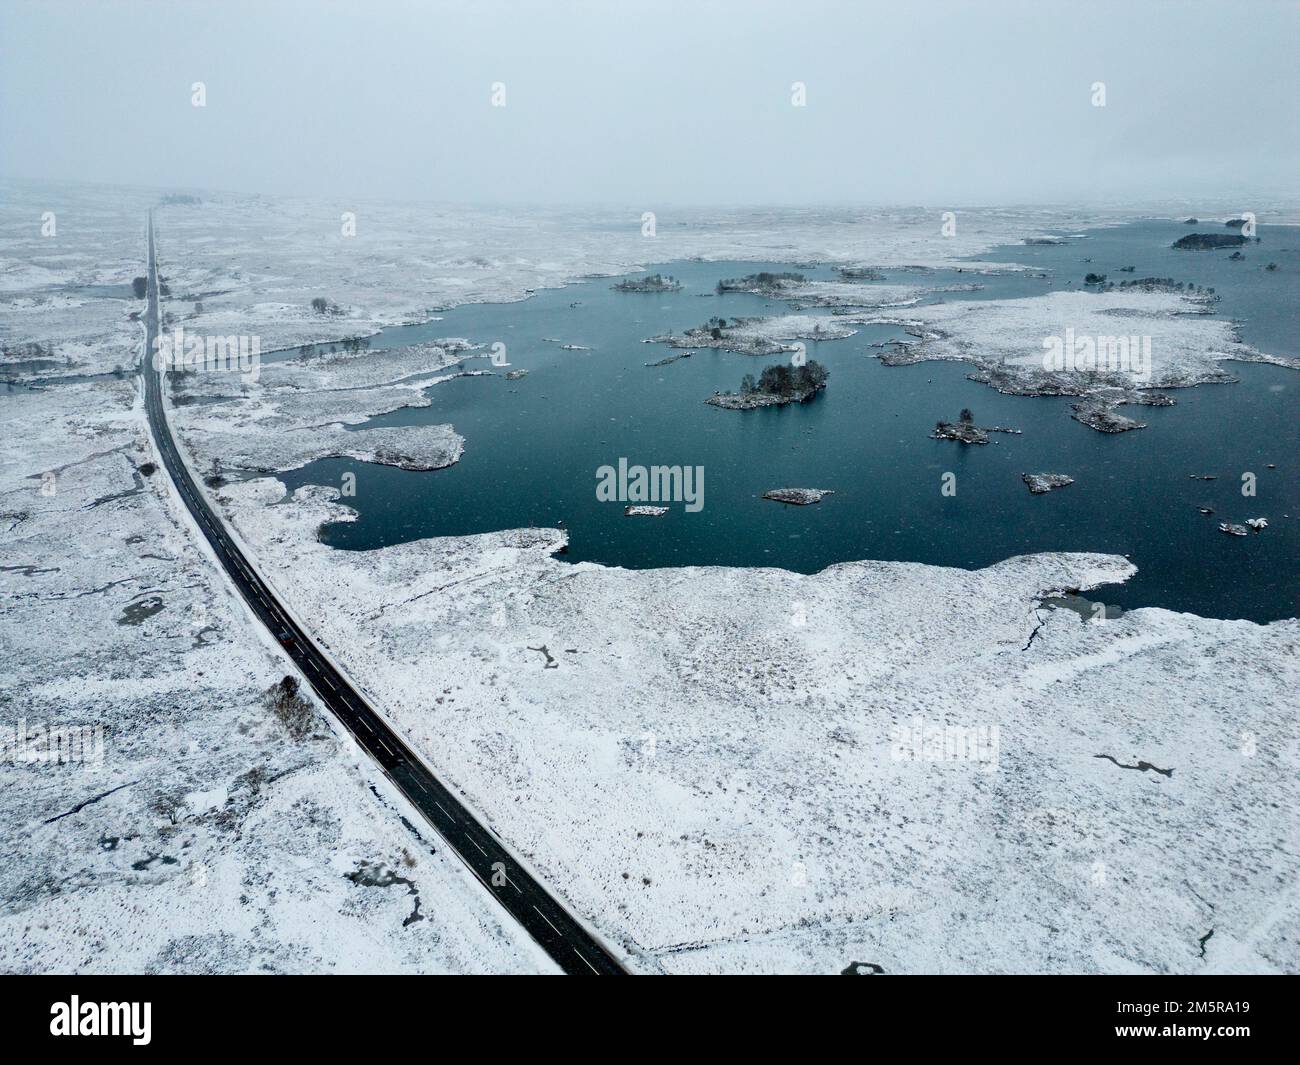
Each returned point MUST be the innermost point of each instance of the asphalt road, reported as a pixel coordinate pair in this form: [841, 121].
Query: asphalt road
[574, 949]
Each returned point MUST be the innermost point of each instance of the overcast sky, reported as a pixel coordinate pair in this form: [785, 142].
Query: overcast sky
[656, 103]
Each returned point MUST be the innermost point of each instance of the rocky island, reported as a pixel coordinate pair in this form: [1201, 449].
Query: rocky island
[1208, 241]
[653, 283]
[1103, 417]
[799, 497]
[671, 359]
[776, 386]
[763, 283]
[859, 273]
[965, 431]
[1045, 482]
[756, 336]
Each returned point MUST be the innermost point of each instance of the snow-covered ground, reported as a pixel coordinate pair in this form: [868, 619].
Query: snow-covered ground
[723, 770]
[710, 771]
[300, 410]
[198, 835]
[1186, 347]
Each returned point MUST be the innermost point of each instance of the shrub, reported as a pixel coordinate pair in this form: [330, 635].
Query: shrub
[294, 712]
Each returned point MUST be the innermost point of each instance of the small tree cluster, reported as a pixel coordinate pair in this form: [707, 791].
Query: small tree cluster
[784, 380]
[294, 712]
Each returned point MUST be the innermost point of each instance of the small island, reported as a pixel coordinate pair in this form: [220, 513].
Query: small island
[672, 359]
[1102, 416]
[965, 431]
[1044, 482]
[799, 497]
[653, 283]
[859, 273]
[763, 283]
[776, 386]
[1208, 241]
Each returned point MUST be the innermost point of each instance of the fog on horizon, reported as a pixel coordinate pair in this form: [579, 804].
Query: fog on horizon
[666, 102]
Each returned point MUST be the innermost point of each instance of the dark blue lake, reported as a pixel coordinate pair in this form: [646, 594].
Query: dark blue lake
[533, 446]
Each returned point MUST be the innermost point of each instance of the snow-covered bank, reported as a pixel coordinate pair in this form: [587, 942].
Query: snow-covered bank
[299, 411]
[411, 447]
[718, 773]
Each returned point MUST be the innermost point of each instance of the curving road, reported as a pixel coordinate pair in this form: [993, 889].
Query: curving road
[573, 948]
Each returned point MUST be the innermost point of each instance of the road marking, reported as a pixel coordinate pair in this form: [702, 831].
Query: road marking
[326, 678]
[444, 810]
[577, 952]
[476, 843]
[553, 928]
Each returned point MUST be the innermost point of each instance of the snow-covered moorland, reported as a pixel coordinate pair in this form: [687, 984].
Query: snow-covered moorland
[204, 831]
[890, 764]
[720, 770]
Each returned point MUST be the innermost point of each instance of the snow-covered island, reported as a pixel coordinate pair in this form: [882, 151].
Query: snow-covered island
[1040, 483]
[965, 431]
[652, 283]
[798, 496]
[757, 336]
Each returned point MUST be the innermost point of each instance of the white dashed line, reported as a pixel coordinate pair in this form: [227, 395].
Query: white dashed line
[553, 928]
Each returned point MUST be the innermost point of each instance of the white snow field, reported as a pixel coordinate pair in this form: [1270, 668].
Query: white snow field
[1186, 348]
[911, 767]
[226, 843]
[710, 773]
